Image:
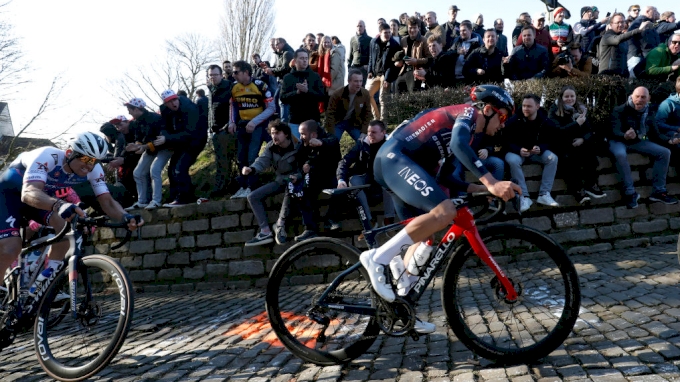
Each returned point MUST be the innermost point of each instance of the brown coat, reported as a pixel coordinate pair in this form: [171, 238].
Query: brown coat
[419, 51]
[339, 104]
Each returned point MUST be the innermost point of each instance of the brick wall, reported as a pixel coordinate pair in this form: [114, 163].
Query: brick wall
[201, 246]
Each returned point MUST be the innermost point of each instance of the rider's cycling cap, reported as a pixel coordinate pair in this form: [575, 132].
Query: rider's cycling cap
[493, 95]
[118, 119]
[89, 144]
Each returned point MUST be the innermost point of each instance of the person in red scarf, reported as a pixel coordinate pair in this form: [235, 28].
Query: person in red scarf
[323, 68]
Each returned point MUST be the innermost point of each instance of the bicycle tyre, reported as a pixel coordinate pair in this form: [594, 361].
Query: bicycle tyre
[295, 281]
[548, 288]
[74, 349]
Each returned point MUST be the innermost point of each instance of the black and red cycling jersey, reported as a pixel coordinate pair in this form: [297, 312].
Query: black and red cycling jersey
[436, 134]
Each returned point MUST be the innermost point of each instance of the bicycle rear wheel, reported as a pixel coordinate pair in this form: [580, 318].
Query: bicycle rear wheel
[530, 327]
[297, 280]
[74, 349]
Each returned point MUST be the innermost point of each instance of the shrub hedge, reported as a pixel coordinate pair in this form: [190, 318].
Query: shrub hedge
[600, 93]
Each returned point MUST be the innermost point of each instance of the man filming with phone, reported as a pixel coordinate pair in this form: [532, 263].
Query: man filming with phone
[414, 54]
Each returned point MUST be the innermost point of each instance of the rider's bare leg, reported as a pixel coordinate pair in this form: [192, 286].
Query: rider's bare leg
[10, 247]
[417, 230]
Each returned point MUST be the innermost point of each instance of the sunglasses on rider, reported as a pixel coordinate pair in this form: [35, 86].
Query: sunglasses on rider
[502, 117]
[87, 160]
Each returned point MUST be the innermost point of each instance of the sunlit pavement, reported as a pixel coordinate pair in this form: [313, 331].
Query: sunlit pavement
[628, 330]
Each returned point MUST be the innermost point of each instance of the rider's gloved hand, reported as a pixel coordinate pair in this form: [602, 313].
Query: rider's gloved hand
[66, 210]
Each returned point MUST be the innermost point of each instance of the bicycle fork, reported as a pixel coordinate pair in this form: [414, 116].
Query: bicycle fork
[465, 224]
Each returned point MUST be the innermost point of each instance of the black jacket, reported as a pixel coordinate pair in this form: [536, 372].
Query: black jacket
[219, 96]
[519, 132]
[147, 128]
[282, 64]
[359, 50]
[382, 64]
[625, 116]
[358, 161]
[644, 42]
[612, 54]
[492, 64]
[568, 130]
[666, 29]
[528, 63]
[303, 106]
[451, 31]
[440, 70]
[323, 160]
[184, 129]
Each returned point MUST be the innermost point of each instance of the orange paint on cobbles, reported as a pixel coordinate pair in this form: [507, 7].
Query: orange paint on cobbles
[305, 330]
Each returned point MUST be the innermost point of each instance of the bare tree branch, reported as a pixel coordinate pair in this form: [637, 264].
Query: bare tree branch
[187, 57]
[246, 27]
[12, 65]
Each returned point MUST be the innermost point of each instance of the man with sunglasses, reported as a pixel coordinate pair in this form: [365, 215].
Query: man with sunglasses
[633, 13]
[28, 189]
[407, 166]
[663, 62]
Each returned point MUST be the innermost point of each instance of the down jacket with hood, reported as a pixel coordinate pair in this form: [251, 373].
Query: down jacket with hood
[668, 115]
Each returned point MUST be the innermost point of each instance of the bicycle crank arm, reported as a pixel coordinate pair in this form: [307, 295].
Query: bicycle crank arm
[364, 310]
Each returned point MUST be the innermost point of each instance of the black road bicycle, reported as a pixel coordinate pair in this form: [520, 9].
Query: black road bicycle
[80, 315]
[514, 306]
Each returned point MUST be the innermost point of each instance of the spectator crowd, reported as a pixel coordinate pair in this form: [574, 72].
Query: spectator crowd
[302, 103]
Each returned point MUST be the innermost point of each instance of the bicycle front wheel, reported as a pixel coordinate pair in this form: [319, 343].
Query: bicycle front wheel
[520, 331]
[296, 282]
[73, 349]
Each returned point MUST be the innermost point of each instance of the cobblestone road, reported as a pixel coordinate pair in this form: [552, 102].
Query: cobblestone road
[629, 330]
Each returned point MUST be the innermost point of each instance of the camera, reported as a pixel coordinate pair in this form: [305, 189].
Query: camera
[564, 58]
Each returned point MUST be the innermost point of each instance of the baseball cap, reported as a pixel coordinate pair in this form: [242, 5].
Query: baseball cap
[539, 15]
[136, 102]
[454, 8]
[595, 9]
[399, 56]
[118, 119]
[168, 95]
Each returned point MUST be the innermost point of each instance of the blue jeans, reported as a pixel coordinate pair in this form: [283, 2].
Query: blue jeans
[660, 154]
[344, 126]
[549, 161]
[494, 165]
[388, 205]
[247, 150]
[151, 164]
[295, 130]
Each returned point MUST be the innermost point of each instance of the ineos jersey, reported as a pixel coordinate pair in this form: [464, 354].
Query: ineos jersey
[436, 134]
[46, 165]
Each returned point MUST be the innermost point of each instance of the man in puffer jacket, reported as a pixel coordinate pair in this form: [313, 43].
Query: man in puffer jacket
[668, 123]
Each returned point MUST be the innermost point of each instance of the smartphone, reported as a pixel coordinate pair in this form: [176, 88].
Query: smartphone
[262, 64]
[608, 14]
[407, 58]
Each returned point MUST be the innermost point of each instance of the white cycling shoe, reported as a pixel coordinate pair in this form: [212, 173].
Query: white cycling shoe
[376, 272]
[424, 327]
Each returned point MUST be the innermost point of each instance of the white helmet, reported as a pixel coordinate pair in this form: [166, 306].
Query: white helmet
[89, 144]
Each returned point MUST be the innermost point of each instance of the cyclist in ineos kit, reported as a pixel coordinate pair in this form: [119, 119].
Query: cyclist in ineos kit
[407, 164]
[28, 189]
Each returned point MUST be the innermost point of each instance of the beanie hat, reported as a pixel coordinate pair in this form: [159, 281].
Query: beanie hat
[558, 11]
[586, 9]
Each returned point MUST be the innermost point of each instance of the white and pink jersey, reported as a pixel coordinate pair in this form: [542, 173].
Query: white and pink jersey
[46, 165]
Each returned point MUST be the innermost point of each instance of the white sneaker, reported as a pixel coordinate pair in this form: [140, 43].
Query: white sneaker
[152, 206]
[424, 327]
[136, 206]
[376, 272]
[238, 194]
[61, 296]
[525, 204]
[547, 200]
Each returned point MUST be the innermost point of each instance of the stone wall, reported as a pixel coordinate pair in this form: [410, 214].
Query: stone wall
[201, 246]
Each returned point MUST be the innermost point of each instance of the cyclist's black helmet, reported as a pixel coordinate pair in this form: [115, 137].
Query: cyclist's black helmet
[493, 95]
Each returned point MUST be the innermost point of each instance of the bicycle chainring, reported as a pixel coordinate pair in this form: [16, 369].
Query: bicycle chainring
[8, 328]
[397, 318]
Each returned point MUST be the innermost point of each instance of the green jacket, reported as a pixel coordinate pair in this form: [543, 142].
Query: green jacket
[659, 62]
